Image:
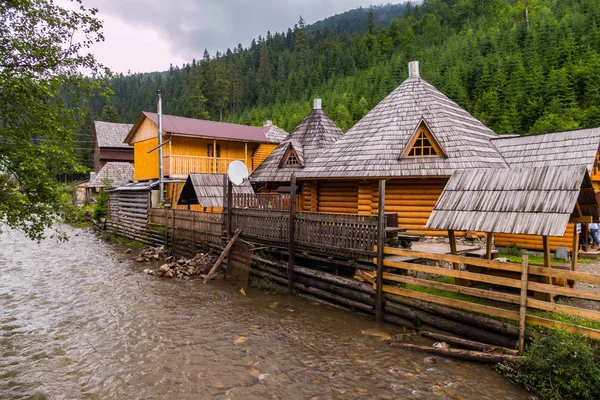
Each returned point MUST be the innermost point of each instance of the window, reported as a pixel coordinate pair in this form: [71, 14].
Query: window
[422, 146]
[211, 150]
[292, 160]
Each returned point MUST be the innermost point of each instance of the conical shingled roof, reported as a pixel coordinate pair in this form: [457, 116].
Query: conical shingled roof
[372, 148]
[309, 139]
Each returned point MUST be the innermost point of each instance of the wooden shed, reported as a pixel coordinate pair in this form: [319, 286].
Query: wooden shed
[415, 138]
[112, 173]
[538, 201]
[580, 147]
[108, 144]
[308, 140]
[206, 191]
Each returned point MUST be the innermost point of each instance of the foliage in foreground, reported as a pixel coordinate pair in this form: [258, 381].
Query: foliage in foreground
[558, 365]
[40, 66]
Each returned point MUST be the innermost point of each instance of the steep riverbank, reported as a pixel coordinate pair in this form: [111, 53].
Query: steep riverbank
[81, 320]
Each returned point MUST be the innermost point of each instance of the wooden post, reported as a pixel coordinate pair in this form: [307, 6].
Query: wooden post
[214, 154]
[488, 245]
[172, 226]
[575, 247]
[292, 234]
[456, 266]
[523, 302]
[246, 155]
[547, 264]
[380, 252]
[194, 233]
[229, 208]
[225, 213]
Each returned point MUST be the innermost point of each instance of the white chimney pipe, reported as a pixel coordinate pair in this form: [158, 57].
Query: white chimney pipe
[317, 104]
[413, 69]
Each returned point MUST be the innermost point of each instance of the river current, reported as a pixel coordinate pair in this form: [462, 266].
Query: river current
[80, 320]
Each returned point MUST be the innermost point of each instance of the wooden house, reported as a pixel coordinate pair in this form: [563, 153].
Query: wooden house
[112, 174]
[308, 140]
[415, 138]
[108, 144]
[197, 146]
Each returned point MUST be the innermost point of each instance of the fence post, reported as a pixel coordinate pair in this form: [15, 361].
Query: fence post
[523, 302]
[229, 208]
[172, 227]
[380, 254]
[292, 234]
[224, 212]
[194, 233]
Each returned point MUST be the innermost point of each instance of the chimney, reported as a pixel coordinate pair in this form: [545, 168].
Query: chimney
[317, 104]
[413, 69]
[267, 123]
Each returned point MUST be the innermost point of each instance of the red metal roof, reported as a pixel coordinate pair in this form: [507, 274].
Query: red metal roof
[203, 128]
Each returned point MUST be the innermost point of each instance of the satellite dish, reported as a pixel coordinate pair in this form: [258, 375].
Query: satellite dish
[237, 172]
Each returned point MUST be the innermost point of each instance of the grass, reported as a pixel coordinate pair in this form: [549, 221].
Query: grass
[122, 240]
[533, 259]
[568, 319]
[265, 284]
[446, 293]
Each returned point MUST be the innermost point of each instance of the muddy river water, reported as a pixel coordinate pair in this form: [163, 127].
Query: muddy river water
[80, 320]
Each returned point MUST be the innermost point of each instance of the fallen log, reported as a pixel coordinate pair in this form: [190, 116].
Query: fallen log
[222, 256]
[469, 344]
[467, 355]
[470, 319]
[447, 325]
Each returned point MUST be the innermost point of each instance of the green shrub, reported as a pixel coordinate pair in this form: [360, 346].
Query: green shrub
[513, 250]
[558, 365]
[101, 205]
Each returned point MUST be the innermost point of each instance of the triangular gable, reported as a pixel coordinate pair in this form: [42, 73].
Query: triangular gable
[291, 158]
[423, 143]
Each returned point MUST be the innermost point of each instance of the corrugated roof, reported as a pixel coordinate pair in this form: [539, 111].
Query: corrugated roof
[119, 173]
[182, 126]
[373, 146]
[531, 201]
[309, 139]
[135, 186]
[111, 134]
[207, 190]
[551, 149]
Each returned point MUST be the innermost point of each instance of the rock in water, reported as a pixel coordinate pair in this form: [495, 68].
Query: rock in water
[127, 251]
[169, 274]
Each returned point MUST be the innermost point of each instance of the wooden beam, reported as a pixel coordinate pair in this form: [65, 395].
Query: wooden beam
[292, 237]
[523, 303]
[586, 219]
[575, 247]
[547, 264]
[578, 208]
[380, 252]
[214, 154]
[222, 256]
[246, 155]
[488, 245]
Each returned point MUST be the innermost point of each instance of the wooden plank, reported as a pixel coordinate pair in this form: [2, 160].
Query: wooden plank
[563, 291]
[222, 256]
[574, 329]
[494, 311]
[564, 309]
[380, 253]
[523, 303]
[496, 280]
[488, 245]
[586, 219]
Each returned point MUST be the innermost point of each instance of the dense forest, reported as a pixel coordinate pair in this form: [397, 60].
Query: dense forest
[520, 66]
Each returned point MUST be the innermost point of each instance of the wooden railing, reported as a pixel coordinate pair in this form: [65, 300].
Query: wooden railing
[335, 234]
[265, 201]
[183, 165]
[532, 279]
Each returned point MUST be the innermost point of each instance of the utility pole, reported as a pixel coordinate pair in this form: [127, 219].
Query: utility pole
[160, 149]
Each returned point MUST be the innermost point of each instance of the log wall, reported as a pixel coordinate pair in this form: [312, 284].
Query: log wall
[534, 242]
[338, 197]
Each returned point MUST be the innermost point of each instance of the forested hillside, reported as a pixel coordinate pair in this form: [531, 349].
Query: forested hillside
[355, 21]
[520, 66]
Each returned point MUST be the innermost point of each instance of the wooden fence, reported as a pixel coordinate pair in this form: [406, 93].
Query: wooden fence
[334, 234]
[128, 217]
[265, 201]
[512, 303]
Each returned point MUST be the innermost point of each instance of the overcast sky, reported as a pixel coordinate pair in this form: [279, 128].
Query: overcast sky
[148, 35]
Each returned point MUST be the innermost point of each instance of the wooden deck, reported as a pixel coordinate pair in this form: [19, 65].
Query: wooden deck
[434, 248]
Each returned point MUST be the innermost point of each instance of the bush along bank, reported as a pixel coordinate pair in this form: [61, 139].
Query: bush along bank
[558, 365]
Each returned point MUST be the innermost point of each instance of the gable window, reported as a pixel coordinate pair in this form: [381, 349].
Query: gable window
[292, 160]
[422, 146]
[423, 143]
[211, 152]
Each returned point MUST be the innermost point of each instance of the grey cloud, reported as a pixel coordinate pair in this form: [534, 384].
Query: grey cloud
[190, 26]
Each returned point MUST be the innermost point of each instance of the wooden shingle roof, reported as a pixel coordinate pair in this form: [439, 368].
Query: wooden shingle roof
[551, 149]
[531, 201]
[207, 190]
[111, 134]
[119, 173]
[316, 133]
[372, 148]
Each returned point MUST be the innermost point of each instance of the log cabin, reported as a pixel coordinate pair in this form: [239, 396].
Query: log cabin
[108, 144]
[196, 146]
[415, 139]
[315, 133]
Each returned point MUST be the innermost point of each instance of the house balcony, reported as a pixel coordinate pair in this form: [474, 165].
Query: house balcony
[181, 166]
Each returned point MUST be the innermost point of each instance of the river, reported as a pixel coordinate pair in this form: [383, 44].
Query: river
[80, 320]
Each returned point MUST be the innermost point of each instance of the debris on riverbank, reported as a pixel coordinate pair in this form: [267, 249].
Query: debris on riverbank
[152, 254]
[184, 268]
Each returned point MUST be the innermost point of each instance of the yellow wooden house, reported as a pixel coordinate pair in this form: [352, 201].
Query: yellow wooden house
[196, 146]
